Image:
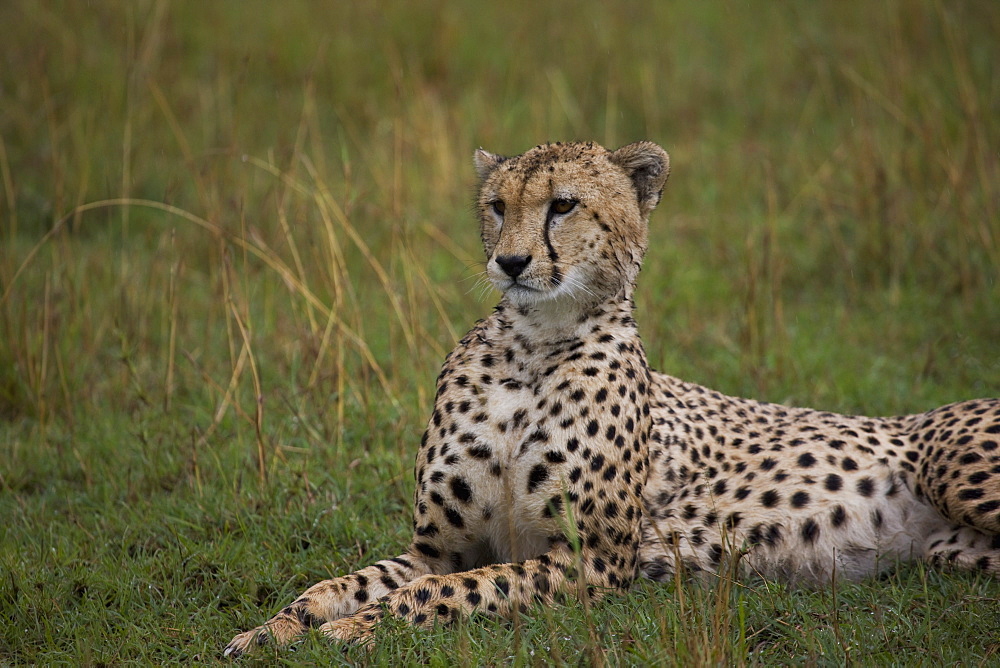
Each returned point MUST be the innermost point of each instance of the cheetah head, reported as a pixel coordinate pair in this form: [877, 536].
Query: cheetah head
[568, 222]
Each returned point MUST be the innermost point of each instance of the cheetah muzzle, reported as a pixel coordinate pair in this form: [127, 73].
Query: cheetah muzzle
[547, 410]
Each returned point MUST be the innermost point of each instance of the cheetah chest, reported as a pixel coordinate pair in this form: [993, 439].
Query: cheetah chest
[500, 475]
[509, 443]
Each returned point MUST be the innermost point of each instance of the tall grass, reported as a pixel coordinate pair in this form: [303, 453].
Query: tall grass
[235, 245]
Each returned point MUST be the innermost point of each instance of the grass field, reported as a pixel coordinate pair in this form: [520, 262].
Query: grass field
[236, 243]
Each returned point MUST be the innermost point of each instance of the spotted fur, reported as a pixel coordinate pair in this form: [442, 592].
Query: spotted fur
[557, 464]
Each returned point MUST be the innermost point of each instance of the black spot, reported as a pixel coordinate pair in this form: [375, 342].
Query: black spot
[866, 487]
[833, 482]
[539, 474]
[553, 507]
[460, 488]
[970, 494]
[838, 517]
[454, 518]
[987, 506]
[770, 498]
[810, 531]
[848, 464]
[806, 460]
[800, 500]
[422, 595]
[479, 452]
[427, 530]
[592, 428]
[427, 550]
[305, 617]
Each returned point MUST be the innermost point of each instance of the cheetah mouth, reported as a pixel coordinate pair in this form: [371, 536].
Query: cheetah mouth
[505, 284]
[514, 288]
[517, 285]
[539, 291]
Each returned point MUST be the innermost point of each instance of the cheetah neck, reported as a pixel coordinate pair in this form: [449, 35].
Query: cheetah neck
[565, 320]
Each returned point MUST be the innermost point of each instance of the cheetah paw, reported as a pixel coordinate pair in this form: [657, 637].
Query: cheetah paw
[242, 643]
[349, 630]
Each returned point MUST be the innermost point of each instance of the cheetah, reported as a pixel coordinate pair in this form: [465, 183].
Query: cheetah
[557, 464]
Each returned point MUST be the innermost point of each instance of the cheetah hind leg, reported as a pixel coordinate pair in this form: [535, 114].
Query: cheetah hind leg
[964, 547]
[958, 469]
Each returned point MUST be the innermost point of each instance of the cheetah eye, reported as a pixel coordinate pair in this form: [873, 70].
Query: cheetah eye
[562, 206]
[499, 207]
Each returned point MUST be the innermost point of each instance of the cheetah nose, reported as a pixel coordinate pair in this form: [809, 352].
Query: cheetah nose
[513, 265]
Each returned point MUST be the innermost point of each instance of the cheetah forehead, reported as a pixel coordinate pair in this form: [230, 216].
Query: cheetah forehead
[576, 160]
[585, 167]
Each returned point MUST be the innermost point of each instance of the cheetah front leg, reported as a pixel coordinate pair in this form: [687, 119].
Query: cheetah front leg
[496, 590]
[499, 590]
[332, 599]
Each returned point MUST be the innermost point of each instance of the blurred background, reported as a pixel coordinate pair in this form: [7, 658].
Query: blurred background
[236, 238]
[822, 152]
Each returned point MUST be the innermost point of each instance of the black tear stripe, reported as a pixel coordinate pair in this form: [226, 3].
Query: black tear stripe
[553, 256]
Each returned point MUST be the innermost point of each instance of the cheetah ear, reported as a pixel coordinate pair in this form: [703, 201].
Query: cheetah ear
[486, 162]
[648, 166]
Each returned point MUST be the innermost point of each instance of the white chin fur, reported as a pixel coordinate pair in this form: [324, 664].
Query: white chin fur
[524, 296]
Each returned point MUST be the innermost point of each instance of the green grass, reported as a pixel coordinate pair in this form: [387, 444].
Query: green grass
[235, 245]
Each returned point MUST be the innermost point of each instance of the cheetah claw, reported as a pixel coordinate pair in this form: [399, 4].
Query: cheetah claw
[242, 643]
